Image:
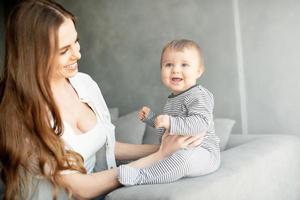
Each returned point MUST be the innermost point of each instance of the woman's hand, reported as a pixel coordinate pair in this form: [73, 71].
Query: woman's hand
[169, 144]
[172, 143]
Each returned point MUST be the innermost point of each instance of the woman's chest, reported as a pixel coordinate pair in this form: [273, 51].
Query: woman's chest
[79, 115]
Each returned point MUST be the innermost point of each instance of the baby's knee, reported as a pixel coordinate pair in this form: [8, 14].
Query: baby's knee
[183, 159]
[203, 162]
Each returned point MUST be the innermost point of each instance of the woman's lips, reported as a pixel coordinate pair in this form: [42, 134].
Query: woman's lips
[72, 66]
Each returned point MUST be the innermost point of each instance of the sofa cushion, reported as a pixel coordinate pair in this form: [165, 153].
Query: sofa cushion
[114, 114]
[223, 129]
[129, 129]
[263, 168]
[151, 136]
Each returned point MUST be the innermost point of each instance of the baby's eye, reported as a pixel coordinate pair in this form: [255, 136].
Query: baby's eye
[168, 65]
[185, 65]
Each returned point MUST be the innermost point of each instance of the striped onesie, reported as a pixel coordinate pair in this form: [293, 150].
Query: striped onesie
[191, 113]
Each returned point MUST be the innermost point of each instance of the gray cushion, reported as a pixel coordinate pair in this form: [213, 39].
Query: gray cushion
[114, 114]
[223, 129]
[129, 129]
[101, 163]
[151, 136]
[264, 168]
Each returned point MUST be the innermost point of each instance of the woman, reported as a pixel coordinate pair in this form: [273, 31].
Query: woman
[53, 118]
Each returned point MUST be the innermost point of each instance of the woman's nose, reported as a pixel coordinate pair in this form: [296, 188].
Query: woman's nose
[76, 52]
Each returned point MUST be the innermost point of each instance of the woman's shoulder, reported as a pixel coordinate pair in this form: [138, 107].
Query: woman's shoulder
[80, 76]
[84, 85]
[83, 80]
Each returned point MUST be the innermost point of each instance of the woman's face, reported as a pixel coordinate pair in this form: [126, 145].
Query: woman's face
[68, 52]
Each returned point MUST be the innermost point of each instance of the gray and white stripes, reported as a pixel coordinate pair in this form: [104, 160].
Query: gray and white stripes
[164, 171]
[191, 113]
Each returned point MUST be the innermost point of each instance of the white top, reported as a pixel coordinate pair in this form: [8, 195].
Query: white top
[89, 143]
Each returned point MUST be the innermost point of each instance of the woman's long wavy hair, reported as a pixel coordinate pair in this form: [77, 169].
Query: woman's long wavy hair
[30, 123]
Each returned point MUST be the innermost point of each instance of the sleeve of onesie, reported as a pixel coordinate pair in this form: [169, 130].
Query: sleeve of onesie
[200, 115]
[150, 119]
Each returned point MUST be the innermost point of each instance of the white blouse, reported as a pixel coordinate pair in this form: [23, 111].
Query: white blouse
[89, 143]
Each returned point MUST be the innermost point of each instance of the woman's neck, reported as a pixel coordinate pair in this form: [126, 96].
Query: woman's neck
[60, 87]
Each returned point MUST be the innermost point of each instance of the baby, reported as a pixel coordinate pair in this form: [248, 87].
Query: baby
[188, 111]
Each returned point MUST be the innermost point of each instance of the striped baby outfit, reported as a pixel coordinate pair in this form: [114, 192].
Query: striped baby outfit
[191, 113]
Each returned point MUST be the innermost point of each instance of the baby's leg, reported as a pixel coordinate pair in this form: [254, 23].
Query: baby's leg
[203, 162]
[171, 169]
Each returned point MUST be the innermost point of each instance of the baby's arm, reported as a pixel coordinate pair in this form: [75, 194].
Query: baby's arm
[156, 121]
[146, 115]
[162, 121]
[199, 119]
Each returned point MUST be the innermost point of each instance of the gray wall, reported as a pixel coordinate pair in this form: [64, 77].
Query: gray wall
[270, 31]
[122, 41]
[251, 52]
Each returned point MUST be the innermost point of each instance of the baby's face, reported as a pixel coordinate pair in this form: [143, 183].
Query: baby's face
[180, 69]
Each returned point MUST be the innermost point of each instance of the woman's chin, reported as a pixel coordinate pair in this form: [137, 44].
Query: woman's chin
[70, 73]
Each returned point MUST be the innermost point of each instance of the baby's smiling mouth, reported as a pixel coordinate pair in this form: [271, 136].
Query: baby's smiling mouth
[176, 80]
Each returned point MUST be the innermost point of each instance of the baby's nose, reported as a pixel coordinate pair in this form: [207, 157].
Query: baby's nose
[176, 69]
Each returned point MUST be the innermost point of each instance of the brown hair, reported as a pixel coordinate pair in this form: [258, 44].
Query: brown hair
[30, 123]
[180, 45]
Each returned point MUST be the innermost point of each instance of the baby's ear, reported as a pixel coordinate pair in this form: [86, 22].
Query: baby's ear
[199, 74]
[200, 71]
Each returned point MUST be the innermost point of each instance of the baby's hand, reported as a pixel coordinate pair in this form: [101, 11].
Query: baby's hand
[143, 113]
[162, 121]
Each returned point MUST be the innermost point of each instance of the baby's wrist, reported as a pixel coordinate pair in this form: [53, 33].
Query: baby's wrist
[168, 122]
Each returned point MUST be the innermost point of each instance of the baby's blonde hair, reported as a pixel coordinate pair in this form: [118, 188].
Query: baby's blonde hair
[180, 45]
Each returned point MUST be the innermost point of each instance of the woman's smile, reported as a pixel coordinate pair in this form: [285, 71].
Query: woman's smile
[73, 66]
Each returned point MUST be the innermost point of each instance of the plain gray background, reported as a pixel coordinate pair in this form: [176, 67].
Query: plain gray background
[251, 50]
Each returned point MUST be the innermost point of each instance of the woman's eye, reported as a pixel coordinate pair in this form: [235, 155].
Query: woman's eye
[68, 49]
[64, 52]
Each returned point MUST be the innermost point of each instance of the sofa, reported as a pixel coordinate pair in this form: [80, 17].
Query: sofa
[254, 167]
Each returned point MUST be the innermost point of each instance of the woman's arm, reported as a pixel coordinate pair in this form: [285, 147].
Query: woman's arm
[86, 186]
[169, 144]
[125, 151]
